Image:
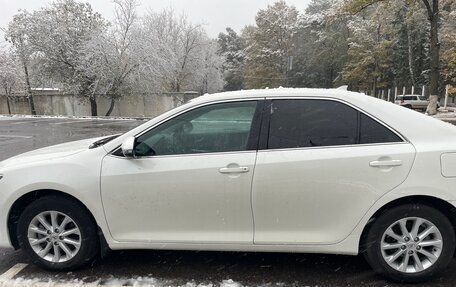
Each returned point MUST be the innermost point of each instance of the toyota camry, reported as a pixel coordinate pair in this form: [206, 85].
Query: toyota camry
[274, 170]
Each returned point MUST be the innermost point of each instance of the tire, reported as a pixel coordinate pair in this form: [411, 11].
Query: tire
[78, 234]
[407, 215]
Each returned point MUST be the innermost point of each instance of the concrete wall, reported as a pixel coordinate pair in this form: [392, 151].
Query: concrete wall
[149, 105]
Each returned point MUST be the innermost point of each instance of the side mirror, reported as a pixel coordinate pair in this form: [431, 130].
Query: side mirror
[128, 147]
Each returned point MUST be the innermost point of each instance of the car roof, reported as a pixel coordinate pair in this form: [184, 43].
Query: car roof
[277, 92]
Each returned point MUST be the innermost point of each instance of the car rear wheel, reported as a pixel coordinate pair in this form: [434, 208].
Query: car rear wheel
[58, 233]
[410, 243]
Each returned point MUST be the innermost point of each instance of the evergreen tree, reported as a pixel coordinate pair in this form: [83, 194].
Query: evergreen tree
[231, 48]
[269, 46]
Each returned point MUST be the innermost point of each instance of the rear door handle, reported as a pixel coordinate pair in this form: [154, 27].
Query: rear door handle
[381, 163]
[240, 169]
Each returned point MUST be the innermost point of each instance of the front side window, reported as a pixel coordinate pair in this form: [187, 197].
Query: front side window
[310, 123]
[215, 128]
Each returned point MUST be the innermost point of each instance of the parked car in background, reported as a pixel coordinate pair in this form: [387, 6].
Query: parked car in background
[277, 170]
[415, 102]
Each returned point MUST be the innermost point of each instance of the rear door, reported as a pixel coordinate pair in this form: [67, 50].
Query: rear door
[322, 165]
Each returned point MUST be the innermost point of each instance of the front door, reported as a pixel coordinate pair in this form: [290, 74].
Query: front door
[190, 181]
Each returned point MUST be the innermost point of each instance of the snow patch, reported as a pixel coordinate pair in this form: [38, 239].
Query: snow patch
[112, 281]
[73, 117]
[49, 283]
[230, 283]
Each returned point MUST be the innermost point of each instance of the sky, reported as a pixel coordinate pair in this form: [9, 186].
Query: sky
[216, 15]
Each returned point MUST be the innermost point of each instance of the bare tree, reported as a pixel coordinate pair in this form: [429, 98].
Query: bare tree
[18, 35]
[177, 48]
[58, 34]
[9, 75]
[123, 62]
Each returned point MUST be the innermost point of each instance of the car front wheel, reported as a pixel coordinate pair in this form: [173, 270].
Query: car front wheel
[57, 233]
[410, 243]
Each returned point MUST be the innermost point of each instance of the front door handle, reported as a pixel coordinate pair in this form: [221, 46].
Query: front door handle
[385, 163]
[239, 169]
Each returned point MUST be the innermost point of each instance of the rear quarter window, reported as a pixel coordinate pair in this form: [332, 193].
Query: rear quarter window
[372, 132]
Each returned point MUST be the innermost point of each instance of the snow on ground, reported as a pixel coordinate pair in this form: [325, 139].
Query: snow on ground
[448, 114]
[71, 117]
[113, 282]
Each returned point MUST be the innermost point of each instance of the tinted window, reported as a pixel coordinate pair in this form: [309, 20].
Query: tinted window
[215, 128]
[307, 123]
[374, 132]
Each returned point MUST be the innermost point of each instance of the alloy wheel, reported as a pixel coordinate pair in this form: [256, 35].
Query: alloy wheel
[411, 245]
[54, 236]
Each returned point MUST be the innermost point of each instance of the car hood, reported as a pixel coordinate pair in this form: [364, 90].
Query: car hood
[49, 153]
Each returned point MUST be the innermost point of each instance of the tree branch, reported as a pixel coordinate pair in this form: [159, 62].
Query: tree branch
[429, 9]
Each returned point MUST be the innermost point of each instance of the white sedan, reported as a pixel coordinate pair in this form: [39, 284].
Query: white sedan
[277, 170]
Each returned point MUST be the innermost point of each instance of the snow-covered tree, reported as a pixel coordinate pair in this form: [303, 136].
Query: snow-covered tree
[111, 57]
[59, 34]
[175, 52]
[410, 43]
[18, 34]
[433, 16]
[448, 36]
[369, 62]
[320, 45]
[269, 46]
[212, 76]
[374, 36]
[10, 73]
[232, 49]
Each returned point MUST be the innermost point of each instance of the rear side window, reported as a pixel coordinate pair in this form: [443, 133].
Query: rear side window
[308, 123]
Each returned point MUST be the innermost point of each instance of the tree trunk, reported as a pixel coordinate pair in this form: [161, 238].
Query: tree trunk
[410, 54]
[330, 84]
[29, 90]
[8, 104]
[374, 89]
[93, 105]
[7, 93]
[111, 107]
[434, 58]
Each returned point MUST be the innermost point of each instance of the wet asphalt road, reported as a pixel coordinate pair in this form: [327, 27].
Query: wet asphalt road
[177, 268]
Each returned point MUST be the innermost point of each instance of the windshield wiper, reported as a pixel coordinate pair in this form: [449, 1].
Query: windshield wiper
[102, 141]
